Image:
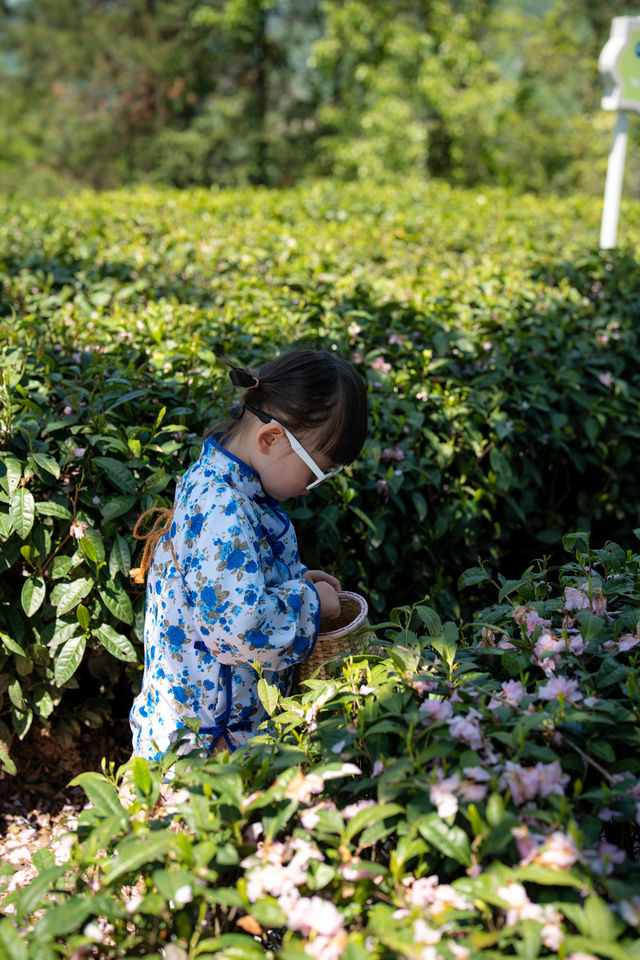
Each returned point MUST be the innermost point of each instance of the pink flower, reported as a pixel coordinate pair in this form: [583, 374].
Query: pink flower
[423, 933]
[467, 729]
[77, 529]
[558, 686]
[527, 844]
[624, 643]
[473, 792]
[358, 869]
[435, 710]
[521, 781]
[602, 859]
[519, 906]
[545, 644]
[422, 892]
[347, 769]
[428, 892]
[551, 779]
[598, 603]
[630, 911]
[577, 645]
[423, 686]
[552, 936]
[529, 618]
[327, 948]
[558, 853]
[459, 951]
[309, 818]
[392, 453]
[383, 488]
[302, 788]
[443, 798]
[606, 379]
[353, 808]
[381, 365]
[79, 451]
[315, 914]
[575, 599]
[512, 693]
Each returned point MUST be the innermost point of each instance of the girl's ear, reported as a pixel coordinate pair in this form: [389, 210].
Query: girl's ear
[267, 435]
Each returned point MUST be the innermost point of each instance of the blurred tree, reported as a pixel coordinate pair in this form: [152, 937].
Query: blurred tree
[268, 91]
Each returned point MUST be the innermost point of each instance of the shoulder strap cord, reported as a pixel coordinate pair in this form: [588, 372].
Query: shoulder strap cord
[161, 526]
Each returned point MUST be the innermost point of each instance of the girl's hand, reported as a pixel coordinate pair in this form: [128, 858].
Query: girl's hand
[320, 576]
[329, 602]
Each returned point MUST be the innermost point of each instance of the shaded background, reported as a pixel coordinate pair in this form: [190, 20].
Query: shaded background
[237, 92]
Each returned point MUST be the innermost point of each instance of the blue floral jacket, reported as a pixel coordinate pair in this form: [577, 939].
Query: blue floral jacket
[236, 595]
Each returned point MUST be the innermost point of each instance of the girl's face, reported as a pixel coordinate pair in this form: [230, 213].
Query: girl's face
[266, 448]
[282, 471]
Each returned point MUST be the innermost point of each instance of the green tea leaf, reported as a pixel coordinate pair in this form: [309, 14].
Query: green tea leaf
[47, 463]
[88, 550]
[65, 596]
[12, 946]
[10, 472]
[22, 510]
[117, 644]
[364, 818]
[269, 695]
[68, 659]
[82, 615]
[50, 508]
[101, 792]
[471, 577]
[11, 645]
[133, 852]
[117, 602]
[33, 593]
[452, 841]
[65, 917]
[117, 472]
[120, 559]
[116, 506]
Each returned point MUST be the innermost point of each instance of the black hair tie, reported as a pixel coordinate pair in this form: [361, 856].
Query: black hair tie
[240, 378]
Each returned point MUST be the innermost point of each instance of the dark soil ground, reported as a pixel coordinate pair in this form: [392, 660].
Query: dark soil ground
[38, 808]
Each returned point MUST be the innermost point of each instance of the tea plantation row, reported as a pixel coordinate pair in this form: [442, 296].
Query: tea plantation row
[499, 347]
[471, 795]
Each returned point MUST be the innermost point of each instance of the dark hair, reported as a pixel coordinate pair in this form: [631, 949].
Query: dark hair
[307, 390]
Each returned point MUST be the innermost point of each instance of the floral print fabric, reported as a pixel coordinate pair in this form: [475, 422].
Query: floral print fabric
[235, 596]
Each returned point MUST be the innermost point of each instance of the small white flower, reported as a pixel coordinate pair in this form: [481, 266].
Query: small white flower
[93, 931]
[183, 894]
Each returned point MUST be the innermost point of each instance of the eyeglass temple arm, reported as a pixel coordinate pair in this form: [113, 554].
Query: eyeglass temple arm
[302, 453]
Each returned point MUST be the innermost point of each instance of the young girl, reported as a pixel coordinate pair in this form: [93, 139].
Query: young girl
[226, 587]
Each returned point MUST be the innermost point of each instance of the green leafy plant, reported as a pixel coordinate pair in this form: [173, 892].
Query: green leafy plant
[472, 792]
[498, 348]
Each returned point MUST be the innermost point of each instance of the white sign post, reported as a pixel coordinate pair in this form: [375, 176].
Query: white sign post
[619, 65]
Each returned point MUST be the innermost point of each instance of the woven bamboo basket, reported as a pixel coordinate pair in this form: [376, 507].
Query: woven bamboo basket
[345, 634]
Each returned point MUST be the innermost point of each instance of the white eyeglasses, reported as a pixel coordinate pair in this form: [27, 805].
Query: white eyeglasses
[297, 447]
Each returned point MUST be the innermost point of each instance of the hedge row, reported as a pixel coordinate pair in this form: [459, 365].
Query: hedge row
[470, 794]
[500, 353]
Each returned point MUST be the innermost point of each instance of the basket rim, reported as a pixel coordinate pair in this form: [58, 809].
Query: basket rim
[361, 617]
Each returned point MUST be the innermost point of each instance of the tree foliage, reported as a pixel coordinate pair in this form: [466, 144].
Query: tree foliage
[231, 92]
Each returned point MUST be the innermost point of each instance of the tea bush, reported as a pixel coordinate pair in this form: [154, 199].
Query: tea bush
[472, 793]
[500, 351]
